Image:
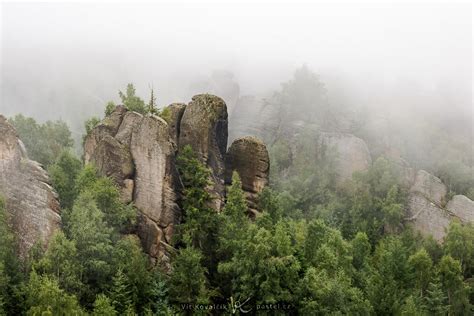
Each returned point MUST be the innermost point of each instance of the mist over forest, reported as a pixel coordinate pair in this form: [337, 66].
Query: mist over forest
[310, 158]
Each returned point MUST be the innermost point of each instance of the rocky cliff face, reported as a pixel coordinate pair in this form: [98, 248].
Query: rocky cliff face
[139, 153]
[204, 128]
[30, 201]
[248, 156]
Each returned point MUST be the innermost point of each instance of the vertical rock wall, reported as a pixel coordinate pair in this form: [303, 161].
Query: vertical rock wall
[30, 200]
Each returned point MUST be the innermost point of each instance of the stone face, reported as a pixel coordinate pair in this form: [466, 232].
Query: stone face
[112, 159]
[204, 128]
[461, 207]
[351, 153]
[430, 186]
[176, 111]
[108, 126]
[153, 155]
[426, 217]
[137, 152]
[249, 157]
[426, 211]
[24, 184]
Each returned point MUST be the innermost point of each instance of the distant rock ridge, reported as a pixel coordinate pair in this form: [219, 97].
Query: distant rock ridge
[139, 152]
[31, 202]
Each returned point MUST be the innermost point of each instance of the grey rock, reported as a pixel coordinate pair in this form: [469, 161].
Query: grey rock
[426, 217]
[173, 118]
[352, 154]
[30, 200]
[204, 128]
[430, 187]
[153, 155]
[462, 207]
[248, 156]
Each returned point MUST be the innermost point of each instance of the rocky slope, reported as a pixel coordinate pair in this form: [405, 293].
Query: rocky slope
[30, 200]
[428, 211]
[139, 153]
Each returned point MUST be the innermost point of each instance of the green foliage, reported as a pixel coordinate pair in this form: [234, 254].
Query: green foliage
[421, 265]
[43, 142]
[109, 108]
[45, 297]
[131, 101]
[188, 283]
[60, 262]
[103, 306]
[322, 294]
[459, 244]
[200, 220]
[89, 126]
[63, 175]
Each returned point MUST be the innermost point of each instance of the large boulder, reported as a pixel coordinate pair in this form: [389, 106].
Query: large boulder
[426, 217]
[430, 187]
[24, 184]
[351, 154]
[204, 128]
[427, 210]
[462, 207]
[248, 156]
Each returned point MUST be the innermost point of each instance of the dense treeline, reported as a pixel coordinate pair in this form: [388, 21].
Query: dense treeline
[316, 248]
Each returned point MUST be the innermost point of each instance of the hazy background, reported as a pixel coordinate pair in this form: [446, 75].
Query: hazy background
[66, 61]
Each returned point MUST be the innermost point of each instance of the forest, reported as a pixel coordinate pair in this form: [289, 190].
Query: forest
[236, 158]
[316, 248]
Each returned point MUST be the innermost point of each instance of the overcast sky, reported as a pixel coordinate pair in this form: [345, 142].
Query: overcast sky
[57, 49]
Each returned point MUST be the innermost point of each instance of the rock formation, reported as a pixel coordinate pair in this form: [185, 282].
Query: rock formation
[139, 153]
[427, 210]
[249, 157]
[351, 153]
[461, 207]
[30, 200]
[204, 128]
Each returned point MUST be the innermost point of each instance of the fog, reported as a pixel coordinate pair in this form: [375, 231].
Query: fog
[66, 61]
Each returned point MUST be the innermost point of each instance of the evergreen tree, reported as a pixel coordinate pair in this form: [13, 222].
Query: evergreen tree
[121, 294]
[63, 175]
[103, 306]
[45, 297]
[436, 300]
[188, 284]
[131, 101]
[421, 265]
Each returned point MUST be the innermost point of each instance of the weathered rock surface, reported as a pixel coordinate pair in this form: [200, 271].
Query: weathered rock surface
[352, 154]
[430, 187]
[176, 111]
[249, 157]
[461, 207]
[426, 210]
[138, 154]
[24, 184]
[153, 155]
[427, 217]
[204, 128]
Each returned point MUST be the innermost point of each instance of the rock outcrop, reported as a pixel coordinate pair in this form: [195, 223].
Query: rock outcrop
[30, 200]
[204, 128]
[461, 207]
[351, 153]
[428, 212]
[249, 157]
[139, 153]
